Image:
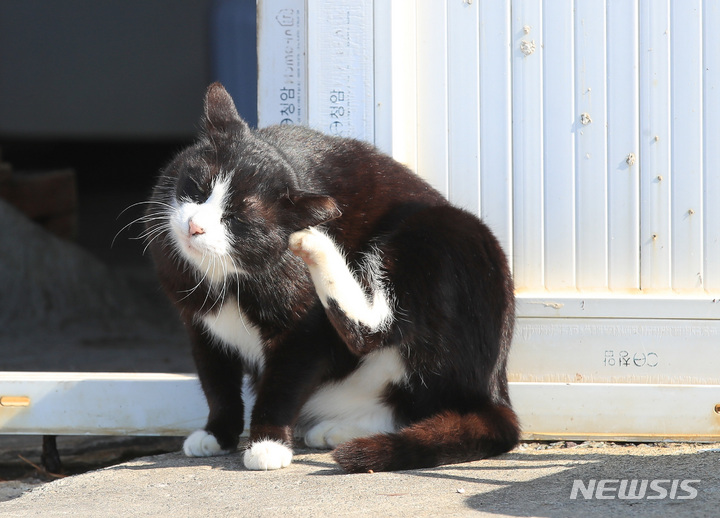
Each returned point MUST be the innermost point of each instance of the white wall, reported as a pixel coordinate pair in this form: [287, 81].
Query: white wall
[609, 111]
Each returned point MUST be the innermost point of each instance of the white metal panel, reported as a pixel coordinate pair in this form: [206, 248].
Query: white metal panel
[559, 144]
[383, 63]
[527, 95]
[152, 404]
[102, 404]
[340, 67]
[495, 83]
[404, 82]
[282, 86]
[655, 239]
[689, 307]
[602, 411]
[432, 94]
[711, 138]
[687, 153]
[463, 107]
[621, 350]
[591, 153]
[623, 146]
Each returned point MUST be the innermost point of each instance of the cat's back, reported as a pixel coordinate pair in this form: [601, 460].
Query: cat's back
[348, 169]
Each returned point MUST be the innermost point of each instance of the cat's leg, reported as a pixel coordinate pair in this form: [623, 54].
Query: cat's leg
[221, 377]
[293, 371]
[360, 312]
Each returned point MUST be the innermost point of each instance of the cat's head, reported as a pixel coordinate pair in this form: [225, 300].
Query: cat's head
[232, 199]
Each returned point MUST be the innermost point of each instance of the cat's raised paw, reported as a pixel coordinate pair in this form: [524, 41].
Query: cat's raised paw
[202, 444]
[267, 455]
[308, 245]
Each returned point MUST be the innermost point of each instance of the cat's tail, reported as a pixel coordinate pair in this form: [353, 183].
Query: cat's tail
[445, 438]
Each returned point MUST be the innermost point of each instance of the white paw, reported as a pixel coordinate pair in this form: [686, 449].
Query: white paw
[202, 444]
[266, 455]
[331, 434]
[309, 245]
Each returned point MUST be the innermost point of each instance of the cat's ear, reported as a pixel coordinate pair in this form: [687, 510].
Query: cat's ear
[220, 113]
[305, 210]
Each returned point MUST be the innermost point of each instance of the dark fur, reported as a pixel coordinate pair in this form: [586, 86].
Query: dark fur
[453, 293]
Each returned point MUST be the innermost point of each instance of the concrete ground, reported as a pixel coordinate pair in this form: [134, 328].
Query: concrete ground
[526, 482]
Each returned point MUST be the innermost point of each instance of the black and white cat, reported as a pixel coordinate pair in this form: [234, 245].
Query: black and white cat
[372, 316]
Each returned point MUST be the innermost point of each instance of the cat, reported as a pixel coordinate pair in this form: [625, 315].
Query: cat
[371, 315]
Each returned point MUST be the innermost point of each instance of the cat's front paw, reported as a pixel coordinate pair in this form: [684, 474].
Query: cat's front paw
[267, 455]
[202, 444]
[308, 245]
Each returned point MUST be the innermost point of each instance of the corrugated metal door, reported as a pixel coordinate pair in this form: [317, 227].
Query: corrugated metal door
[582, 131]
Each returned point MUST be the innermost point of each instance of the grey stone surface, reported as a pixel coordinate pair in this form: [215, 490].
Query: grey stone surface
[526, 482]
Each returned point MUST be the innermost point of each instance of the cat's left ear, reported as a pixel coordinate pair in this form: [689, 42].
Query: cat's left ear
[305, 210]
[220, 112]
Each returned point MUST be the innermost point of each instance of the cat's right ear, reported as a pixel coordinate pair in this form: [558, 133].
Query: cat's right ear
[221, 116]
[305, 210]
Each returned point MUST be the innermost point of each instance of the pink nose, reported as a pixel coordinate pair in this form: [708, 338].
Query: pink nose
[195, 229]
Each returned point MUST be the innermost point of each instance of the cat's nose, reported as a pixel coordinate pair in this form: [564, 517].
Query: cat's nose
[195, 229]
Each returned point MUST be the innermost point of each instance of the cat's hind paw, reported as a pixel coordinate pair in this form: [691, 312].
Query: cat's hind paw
[267, 455]
[202, 444]
[330, 434]
[309, 245]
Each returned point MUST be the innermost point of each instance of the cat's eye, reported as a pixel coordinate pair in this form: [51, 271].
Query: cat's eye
[199, 186]
[194, 189]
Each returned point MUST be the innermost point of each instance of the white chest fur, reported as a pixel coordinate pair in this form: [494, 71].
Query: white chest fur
[233, 330]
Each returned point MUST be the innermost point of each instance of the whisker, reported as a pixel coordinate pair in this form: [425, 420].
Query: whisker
[149, 237]
[142, 219]
[192, 290]
[147, 232]
[241, 314]
[152, 233]
[223, 291]
[150, 229]
[207, 294]
[159, 233]
[146, 202]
